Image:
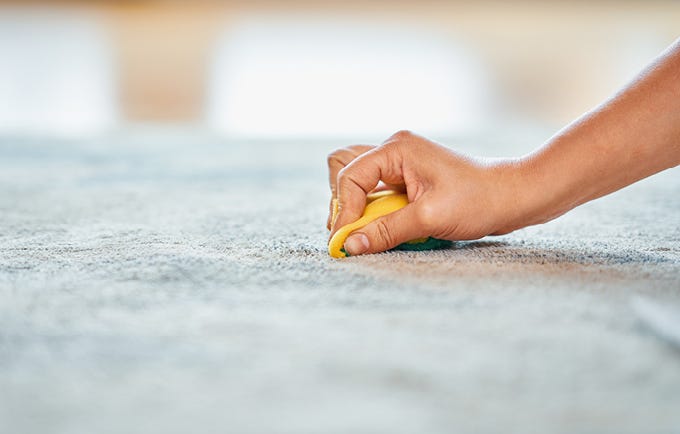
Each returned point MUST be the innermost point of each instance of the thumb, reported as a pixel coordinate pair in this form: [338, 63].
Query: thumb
[386, 232]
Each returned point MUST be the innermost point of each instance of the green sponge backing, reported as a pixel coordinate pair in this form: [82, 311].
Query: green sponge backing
[429, 244]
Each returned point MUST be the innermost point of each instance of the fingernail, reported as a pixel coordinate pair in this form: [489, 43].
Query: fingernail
[356, 244]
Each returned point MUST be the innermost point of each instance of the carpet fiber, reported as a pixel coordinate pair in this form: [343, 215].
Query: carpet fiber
[178, 283]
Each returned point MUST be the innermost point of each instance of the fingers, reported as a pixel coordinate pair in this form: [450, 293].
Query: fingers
[360, 177]
[337, 161]
[386, 232]
[399, 188]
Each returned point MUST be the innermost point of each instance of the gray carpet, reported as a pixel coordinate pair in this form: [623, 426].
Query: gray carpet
[177, 283]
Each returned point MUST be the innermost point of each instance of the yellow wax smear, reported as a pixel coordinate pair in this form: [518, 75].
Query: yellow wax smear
[377, 205]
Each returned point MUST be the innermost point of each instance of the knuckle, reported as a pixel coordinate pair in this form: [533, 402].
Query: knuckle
[393, 148]
[384, 234]
[359, 149]
[344, 187]
[348, 175]
[403, 135]
[334, 156]
[344, 156]
[343, 175]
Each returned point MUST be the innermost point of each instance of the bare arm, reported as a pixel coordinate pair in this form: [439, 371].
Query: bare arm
[633, 135]
[453, 196]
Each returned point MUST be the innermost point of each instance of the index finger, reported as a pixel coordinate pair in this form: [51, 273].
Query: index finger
[339, 159]
[359, 178]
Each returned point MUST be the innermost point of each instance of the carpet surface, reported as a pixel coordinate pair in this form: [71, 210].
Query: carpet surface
[179, 283]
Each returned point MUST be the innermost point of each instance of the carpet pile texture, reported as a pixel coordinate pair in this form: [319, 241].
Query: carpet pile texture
[180, 283]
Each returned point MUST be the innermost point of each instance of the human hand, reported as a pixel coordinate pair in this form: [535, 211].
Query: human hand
[451, 196]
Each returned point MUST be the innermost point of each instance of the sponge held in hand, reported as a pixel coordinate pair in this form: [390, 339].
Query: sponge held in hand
[377, 205]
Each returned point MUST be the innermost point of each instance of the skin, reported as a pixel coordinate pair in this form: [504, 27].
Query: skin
[453, 196]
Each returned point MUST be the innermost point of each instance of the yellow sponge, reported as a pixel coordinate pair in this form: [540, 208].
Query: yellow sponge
[377, 205]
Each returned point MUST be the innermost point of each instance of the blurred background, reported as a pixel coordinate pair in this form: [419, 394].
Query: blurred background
[307, 70]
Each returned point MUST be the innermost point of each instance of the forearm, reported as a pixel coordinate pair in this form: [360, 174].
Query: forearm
[633, 135]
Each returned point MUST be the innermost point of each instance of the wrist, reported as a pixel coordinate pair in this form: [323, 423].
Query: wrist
[524, 197]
